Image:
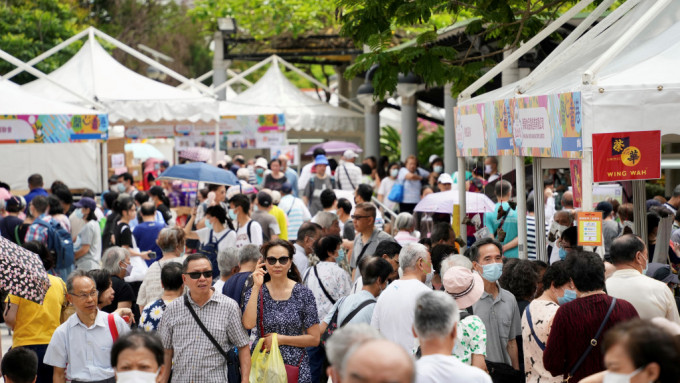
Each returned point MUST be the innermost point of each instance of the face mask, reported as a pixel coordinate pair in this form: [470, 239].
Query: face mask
[259, 171]
[394, 173]
[136, 376]
[232, 214]
[255, 208]
[438, 169]
[563, 253]
[569, 295]
[120, 187]
[487, 169]
[492, 271]
[341, 256]
[128, 269]
[79, 213]
[184, 250]
[644, 271]
[208, 224]
[612, 377]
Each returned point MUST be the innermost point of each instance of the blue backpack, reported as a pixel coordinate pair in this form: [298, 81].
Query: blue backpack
[210, 250]
[59, 243]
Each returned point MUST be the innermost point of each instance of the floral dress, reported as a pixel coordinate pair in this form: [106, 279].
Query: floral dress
[470, 339]
[151, 316]
[290, 317]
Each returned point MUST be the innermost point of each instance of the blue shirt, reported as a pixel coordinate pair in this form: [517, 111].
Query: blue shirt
[411, 187]
[349, 304]
[292, 177]
[151, 316]
[34, 193]
[509, 226]
[146, 234]
[234, 288]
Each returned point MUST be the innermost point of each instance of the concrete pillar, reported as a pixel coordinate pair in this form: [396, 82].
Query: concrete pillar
[219, 67]
[372, 129]
[409, 127]
[343, 85]
[450, 160]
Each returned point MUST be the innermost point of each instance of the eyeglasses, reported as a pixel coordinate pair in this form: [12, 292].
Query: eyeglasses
[197, 274]
[354, 216]
[282, 260]
[91, 294]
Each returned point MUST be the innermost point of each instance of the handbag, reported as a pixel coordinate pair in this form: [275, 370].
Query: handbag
[233, 365]
[397, 192]
[293, 372]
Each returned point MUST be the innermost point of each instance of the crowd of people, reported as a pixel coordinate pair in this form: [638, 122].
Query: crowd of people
[346, 284]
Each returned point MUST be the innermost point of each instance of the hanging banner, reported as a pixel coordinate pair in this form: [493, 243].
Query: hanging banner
[627, 156]
[149, 131]
[470, 130]
[53, 128]
[499, 128]
[548, 126]
[194, 141]
[576, 181]
[253, 132]
[290, 151]
[589, 228]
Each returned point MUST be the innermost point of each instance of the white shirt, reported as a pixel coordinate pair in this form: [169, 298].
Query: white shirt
[300, 259]
[349, 179]
[227, 242]
[651, 298]
[255, 237]
[84, 352]
[439, 368]
[218, 286]
[335, 280]
[394, 312]
[385, 189]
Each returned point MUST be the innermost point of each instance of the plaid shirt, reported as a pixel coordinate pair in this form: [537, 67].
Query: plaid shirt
[37, 232]
[195, 358]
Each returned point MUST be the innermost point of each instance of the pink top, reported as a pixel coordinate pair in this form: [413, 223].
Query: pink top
[404, 237]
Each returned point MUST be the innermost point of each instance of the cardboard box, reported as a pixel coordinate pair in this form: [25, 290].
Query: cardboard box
[115, 145]
[117, 171]
[136, 171]
[129, 159]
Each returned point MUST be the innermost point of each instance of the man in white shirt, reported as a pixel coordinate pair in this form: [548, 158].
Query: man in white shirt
[347, 173]
[651, 298]
[436, 316]
[377, 361]
[393, 314]
[308, 233]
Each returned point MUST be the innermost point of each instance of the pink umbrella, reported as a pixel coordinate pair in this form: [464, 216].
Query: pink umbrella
[443, 202]
[4, 194]
[335, 147]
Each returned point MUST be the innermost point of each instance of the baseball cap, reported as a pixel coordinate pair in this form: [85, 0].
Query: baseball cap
[264, 199]
[350, 154]
[262, 163]
[463, 285]
[13, 204]
[445, 178]
[86, 202]
[286, 187]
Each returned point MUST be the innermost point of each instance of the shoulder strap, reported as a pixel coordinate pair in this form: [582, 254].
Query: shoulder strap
[202, 326]
[248, 230]
[261, 316]
[311, 187]
[356, 311]
[223, 237]
[540, 344]
[323, 288]
[348, 177]
[292, 205]
[593, 342]
[16, 235]
[112, 328]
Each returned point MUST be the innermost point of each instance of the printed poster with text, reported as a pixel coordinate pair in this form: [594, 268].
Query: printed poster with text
[499, 128]
[470, 130]
[548, 126]
[627, 156]
[589, 228]
[38, 129]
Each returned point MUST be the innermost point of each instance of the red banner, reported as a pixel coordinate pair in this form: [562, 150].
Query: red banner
[627, 156]
[576, 184]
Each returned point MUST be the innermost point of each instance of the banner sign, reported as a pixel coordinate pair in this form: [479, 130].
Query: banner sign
[194, 141]
[149, 131]
[253, 132]
[627, 156]
[53, 128]
[589, 228]
[576, 181]
[292, 152]
[470, 130]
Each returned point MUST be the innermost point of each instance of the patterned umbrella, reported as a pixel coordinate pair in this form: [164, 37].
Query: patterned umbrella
[197, 154]
[22, 272]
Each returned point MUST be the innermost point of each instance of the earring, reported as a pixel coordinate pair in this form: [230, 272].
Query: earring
[290, 270]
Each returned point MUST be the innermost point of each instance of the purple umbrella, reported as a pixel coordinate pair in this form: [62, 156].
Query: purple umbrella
[335, 147]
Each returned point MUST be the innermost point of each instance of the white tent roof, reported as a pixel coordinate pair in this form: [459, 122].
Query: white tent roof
[274, 94]
[16, 101]
[129, 97]
[625, 94]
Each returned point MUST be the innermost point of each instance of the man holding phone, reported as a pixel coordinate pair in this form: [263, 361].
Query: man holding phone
[147, 231]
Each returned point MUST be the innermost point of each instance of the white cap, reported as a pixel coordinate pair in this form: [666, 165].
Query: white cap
[261, 162]
[432, 158]
[445, 178]
[349, 154]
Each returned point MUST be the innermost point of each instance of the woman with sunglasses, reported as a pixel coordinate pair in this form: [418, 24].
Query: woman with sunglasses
[279, 303]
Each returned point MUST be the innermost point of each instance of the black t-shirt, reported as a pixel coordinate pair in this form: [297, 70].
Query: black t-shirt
[8, 226]
[167, 215]
[122, 293]
[109, 229]
[123, 235]
[274, 183]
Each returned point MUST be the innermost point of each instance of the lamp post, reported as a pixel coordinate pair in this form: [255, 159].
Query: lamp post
[407, 87]
[226, 27]
[371, 116]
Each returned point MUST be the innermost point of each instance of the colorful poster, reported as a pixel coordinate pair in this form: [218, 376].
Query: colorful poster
[627, 156]
[470, 130]
[253, 132]
[589, 228]
[149, 131]
[53, 129]
[292, 152]
[576, 181]
[194, 141]
[548, 126]
[500, 130]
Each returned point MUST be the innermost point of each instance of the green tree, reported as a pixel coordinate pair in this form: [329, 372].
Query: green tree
[429, 142]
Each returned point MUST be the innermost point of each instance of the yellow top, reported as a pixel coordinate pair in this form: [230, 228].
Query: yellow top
[281, 218]
[36, 323]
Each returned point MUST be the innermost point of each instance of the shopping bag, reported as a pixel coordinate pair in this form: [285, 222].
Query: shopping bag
[397, 192]
[267, 367]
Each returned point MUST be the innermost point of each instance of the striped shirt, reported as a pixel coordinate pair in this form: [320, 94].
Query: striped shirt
[531, 237]
[297, 214]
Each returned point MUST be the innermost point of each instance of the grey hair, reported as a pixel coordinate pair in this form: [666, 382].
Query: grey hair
[325, 219]
[404, 221]
[227, 259]
[455, 260]
[77, 273]
[436, 314]
[344, 338]
[112, 258]
[392, 346]
[410, 254]
[249, 253]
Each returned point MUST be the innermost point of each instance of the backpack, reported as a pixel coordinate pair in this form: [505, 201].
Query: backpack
[311, 189]
[59, 243]
[210, 250]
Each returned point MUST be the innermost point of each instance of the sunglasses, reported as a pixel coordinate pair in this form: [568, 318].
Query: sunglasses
[355, 217]
[282, 260]
[197, 274]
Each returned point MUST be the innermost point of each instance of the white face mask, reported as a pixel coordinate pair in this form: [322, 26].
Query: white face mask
[613, 377]
[136, 376]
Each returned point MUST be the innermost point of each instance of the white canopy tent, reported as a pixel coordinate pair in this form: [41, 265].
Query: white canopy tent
[275, 94]
[625, 69]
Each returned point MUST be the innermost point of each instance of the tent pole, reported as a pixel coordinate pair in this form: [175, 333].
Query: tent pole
[243, 74]
[217, 140]
[104, 158]
[640, 210]
[462, 203]
[621, 43]
[519, 52]
[539, 211]
[552, 61]
[520, 182]
[587, 180]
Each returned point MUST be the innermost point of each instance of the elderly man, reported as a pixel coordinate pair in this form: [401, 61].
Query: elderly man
[291, 175]
[343, 339]
[377, 361]
[497, 307]
[393, 314]
[228, 263]
[237, 285]
[80, 348]
[368, 237]
[564, 219]
[308, 234]
[348, 174]
[435, 325]
[651, 298]
[195, 355]
[329, 223]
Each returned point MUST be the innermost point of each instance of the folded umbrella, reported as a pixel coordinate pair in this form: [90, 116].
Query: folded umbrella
[443, 202]
[23, 273]
[199, 172]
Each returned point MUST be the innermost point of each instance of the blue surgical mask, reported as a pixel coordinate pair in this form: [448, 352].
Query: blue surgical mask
[259, 171]
[208, 224]
[644, 271]
[184, 250]
[569, 295]
[492, 271]
[120, 187]
[341, 256]
[438, 168]
[232, 214]
[79, 213]
[563, 253]
[394, 173]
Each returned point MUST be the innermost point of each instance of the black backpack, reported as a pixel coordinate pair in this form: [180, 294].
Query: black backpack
[210, 250]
